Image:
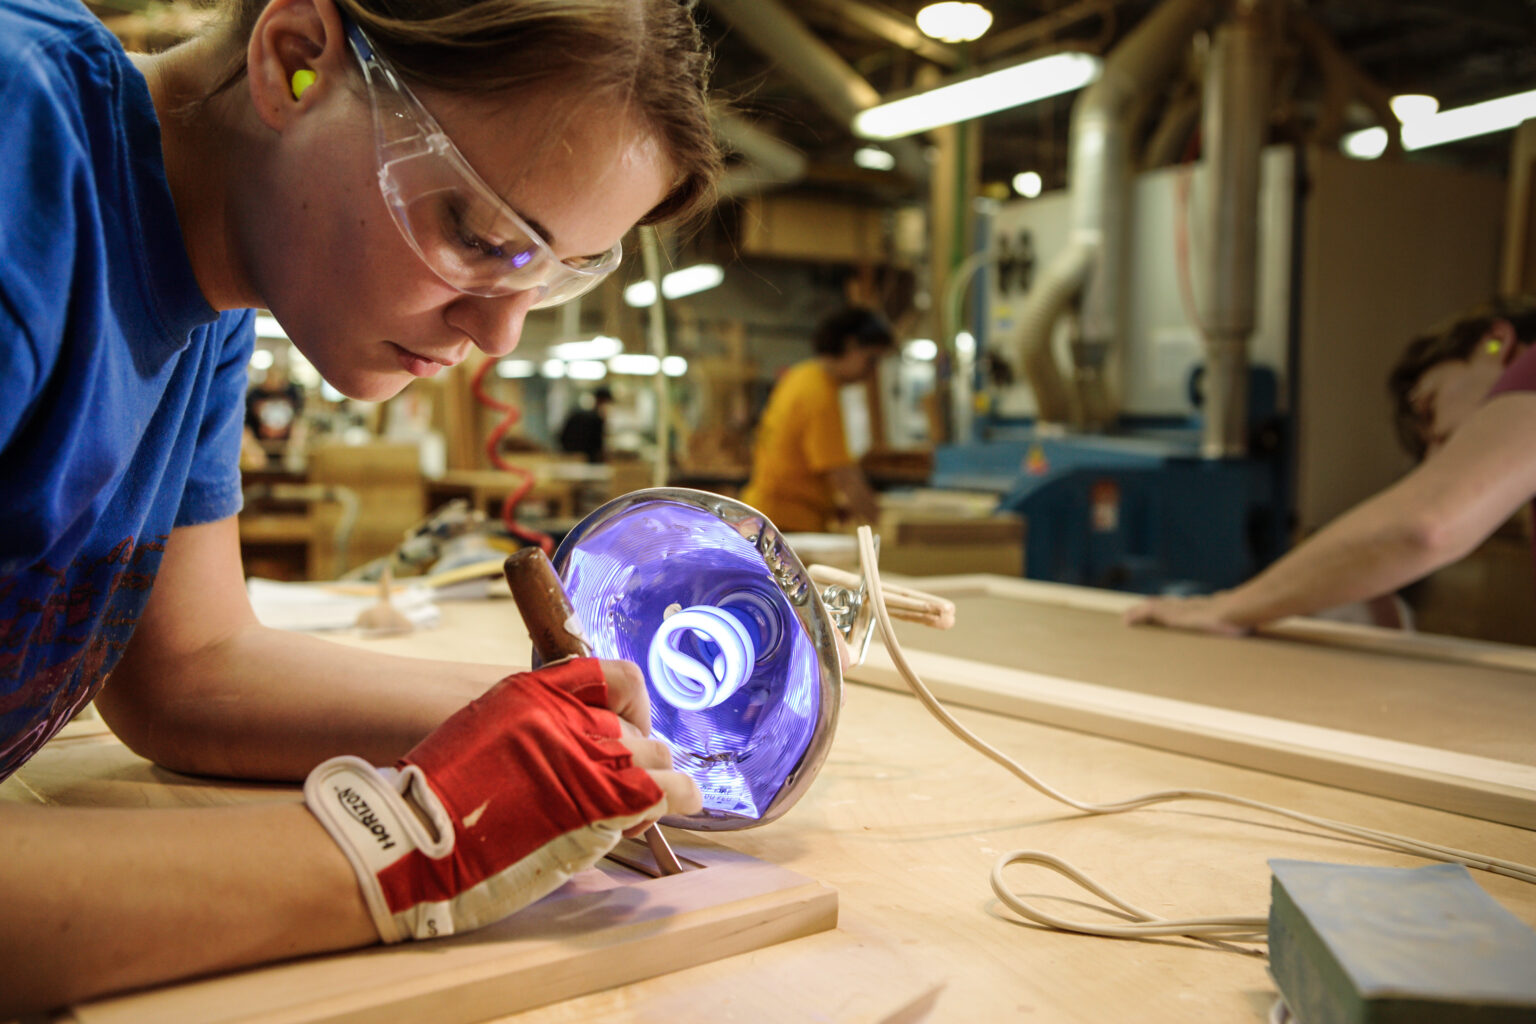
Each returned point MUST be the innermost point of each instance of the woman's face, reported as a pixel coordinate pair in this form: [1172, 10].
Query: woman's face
[1448, 392]
[355, 297]
[858, 362]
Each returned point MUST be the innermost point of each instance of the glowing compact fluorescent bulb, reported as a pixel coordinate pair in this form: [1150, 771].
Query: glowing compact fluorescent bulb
[977, 95]
[1447, 126]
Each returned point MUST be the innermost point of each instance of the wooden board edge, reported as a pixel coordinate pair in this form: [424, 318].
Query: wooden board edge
[1493, 790]
[697, 938]
[735, 905]
[1353, 636]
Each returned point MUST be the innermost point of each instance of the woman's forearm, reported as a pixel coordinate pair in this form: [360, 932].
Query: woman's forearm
[271, 704]
[1375, 549]
[101, 900]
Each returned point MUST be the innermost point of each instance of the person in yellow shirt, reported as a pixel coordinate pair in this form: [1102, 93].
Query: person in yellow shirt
[803, 477]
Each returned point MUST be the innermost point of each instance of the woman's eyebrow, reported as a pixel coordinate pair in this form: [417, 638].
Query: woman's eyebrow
[539, 229]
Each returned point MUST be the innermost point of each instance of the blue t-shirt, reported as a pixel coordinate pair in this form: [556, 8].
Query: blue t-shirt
[121, 390]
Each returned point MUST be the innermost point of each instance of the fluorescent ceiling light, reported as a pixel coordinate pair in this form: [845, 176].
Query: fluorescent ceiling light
[303, 373]
[978, 95]
[1367, 144]
[262, 359]
[512, 369]
[687, 281]
[640, 294]
[1412, 106]
[965, 343]
[600, 347]
[1467, 122]
[872, 159]
[586, 369]
[954, 22]
[922, 349]
[674, 366]
[268, 327]
[1028, 184]
[640, 364]
[553, 368]
[690, 280]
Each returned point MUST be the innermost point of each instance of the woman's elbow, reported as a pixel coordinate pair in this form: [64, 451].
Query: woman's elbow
[1434, 537]
[147, 726]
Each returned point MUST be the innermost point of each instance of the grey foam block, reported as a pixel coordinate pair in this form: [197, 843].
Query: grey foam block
[1369, 945]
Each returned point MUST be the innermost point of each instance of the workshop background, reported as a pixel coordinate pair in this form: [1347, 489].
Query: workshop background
[1144, 326]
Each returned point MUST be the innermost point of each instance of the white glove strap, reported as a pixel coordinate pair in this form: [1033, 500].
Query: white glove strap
[365, 810]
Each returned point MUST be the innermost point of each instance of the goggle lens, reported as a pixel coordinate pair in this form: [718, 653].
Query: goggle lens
[457, 224]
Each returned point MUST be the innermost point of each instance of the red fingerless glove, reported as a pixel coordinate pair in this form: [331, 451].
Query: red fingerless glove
[499, 806]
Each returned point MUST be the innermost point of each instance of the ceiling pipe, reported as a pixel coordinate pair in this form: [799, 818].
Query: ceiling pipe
[1343, 81]
[1234, 129]
[828, 79]
[894, 27]
[1039, 30]
[1090, 270]
[1169, 141]
[766, 161]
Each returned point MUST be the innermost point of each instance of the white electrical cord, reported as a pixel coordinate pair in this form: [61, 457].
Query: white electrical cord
[1143, 923]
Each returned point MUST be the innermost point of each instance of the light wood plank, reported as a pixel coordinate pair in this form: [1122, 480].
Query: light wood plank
[1349, 635]
[1291, 744]
[1465, 784]
[588, 936]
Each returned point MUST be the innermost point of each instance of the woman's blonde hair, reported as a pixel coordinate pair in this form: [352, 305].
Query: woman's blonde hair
[644, 54]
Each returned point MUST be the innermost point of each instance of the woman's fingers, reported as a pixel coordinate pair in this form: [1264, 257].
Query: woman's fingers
[627, 696]
[655, 756]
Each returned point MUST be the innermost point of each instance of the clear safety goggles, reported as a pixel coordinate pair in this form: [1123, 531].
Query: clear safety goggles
[457, 223]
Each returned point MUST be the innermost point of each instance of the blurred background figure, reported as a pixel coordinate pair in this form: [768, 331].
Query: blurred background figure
[1465, 403]
[274, 410]
[584, 429]
[803, 475]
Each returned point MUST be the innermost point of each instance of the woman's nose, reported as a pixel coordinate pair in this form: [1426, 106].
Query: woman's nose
[495, 323]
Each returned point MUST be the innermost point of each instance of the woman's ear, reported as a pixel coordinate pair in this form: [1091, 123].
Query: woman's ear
[1501, 333]
[297, 51]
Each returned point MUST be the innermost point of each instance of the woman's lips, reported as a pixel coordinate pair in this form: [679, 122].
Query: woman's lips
[416, 365]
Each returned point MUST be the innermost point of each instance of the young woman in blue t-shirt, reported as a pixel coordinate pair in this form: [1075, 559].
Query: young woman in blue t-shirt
[400, 184]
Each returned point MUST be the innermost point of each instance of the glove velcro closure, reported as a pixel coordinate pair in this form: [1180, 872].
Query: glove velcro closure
[412, 880]
[365, 810]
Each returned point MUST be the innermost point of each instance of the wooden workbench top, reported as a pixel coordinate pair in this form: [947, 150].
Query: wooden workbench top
[1486, 710]
[905, 823]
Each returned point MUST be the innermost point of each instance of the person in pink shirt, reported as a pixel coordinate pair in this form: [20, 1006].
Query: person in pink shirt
[1466, 408]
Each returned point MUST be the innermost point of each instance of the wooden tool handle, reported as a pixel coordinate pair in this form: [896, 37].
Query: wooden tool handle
[553, 627]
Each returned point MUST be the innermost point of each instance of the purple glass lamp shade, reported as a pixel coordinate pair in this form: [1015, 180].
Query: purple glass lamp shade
[736, 646]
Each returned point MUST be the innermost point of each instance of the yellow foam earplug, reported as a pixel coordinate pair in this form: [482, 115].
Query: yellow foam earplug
[302, 79]
[1494, 346]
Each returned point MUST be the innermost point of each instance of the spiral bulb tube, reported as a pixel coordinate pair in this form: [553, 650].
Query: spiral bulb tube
[685, 681]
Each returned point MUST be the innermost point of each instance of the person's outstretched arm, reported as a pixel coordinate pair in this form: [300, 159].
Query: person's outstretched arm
[532, 780]
[858, 497]
[1438, 513]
